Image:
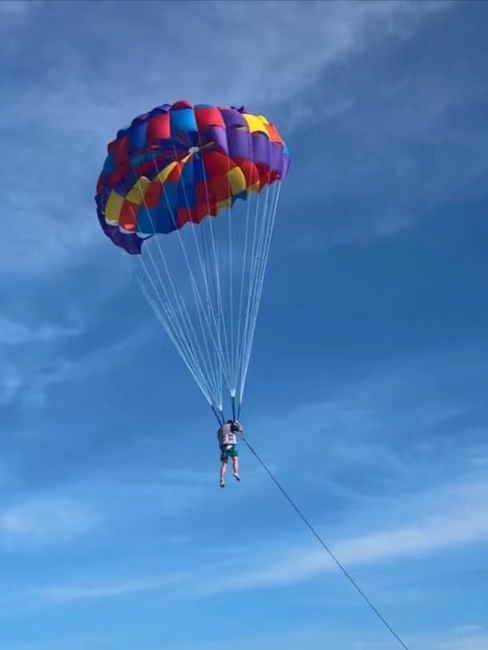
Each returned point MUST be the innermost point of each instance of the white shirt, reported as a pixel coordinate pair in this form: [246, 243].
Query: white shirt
[226, 435]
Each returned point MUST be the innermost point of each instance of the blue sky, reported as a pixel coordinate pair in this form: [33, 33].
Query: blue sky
[365, 393]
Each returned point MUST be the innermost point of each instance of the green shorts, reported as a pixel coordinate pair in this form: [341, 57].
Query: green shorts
[231, 452]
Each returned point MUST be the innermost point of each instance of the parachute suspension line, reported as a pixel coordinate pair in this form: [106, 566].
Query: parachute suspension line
[165, 307]
[231, 340]
[173, 326]
[261, 275]
[199, 380]
[210, 324]
[208, 257]
[204, 366]
[201, 353]
[321, 541]
[170, 326]
[261, 249]
[258, 226]
[217, 349]
[218, 414]
[182, 331]
[221, 325]
[231, 286]
[250, 213]
[210, 311]
[241, 299]
[234, 347]
[200, 301]
[223, 344]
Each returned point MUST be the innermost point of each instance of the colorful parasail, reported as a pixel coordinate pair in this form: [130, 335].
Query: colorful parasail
[176, 166]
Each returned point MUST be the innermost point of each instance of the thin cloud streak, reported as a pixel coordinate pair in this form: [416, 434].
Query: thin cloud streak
[462, 523]
[51, 596]
[19, 333]
[454, 519]
[48, 521]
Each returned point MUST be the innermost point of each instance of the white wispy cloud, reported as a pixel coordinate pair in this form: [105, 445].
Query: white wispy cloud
[471, 642]
[469, 637]
[31, 351]
[16, 332]
[73, 103]
[400, 425]
[75, 642]
[10, 385]
[401, 150]
[448, 512]
[28, 382]
[15, 7]
[65, 594]
[171, 497]
[45, 521]
[344, 637]
[312, 637]
[456, 518]
[234, 65]
[30, 378]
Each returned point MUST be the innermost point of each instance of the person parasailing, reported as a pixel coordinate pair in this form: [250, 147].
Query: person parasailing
[227, 438]
[190, 192]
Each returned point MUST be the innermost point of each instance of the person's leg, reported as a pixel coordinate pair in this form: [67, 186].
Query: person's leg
[223, 470]
[223, 467]
[235, 463]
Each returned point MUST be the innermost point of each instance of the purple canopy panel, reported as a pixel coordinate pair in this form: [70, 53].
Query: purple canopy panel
[240, 144]
[232, 119]
[261, 149]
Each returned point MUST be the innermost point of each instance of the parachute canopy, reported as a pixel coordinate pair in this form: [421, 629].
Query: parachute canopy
[180, 163]
[176, 166]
